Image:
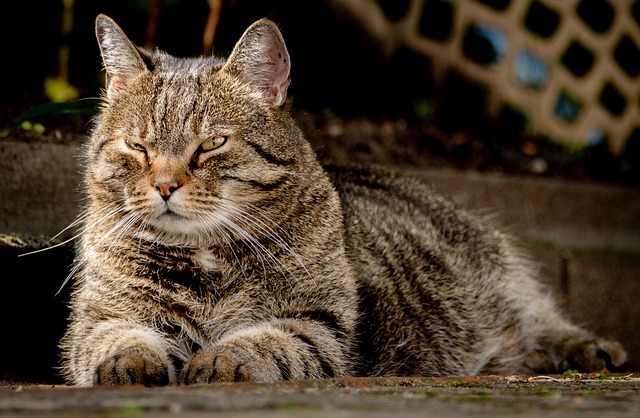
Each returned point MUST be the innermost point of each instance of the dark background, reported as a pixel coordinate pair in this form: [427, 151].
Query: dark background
[332, 65]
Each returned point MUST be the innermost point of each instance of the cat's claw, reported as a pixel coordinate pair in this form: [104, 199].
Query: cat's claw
[210, 367]
[132, 366]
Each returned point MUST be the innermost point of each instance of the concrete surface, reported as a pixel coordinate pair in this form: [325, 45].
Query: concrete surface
[39, 187]
[585, 237]
[568, 214]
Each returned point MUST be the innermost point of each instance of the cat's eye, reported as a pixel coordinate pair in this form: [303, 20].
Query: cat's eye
[213, 143]
[136, 146]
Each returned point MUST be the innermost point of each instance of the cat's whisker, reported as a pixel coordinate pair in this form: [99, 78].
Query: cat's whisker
[258, 249]
[139, 232]
[128, 223]
[122, 228]
[119, 229]
[73, 224]
[244, 237]
[278, 241]
[107, 213]
[60, 244]
[225, 236]
[74, 270]
[267, 230]
[76, 266]
[78, 221]
[260, 212]
[269, 233]
[275, 261]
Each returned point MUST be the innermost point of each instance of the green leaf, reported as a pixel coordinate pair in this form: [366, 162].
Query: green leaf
[83, 107]
[39, 128]
[87, 107]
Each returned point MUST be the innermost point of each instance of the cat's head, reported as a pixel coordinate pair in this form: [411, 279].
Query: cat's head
[183, 144]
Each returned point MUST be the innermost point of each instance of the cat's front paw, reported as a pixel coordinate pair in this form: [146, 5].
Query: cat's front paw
[597, 355]
[132, 366]
[209, 367]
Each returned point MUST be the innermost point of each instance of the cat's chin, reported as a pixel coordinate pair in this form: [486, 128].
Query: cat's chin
[172, 224]
[184, 236]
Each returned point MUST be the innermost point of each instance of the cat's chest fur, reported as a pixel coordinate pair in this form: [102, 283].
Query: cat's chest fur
[188, 274]
[192, 294]
[206, 261]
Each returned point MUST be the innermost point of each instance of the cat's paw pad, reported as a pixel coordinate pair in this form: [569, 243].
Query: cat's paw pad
[130, 367]
[208, 367]
[597, 355]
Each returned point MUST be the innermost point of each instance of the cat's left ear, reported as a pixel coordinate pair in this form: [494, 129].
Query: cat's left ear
[261, 58]
[121, 58]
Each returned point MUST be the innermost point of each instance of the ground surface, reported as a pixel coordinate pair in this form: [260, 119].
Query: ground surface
[525, 396]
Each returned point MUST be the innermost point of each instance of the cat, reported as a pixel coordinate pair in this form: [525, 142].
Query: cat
[215, 247]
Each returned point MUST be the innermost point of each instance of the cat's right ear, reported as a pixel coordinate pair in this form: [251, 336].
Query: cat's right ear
[120, 57]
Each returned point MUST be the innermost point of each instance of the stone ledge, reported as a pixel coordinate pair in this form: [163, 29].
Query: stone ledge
[42, 183]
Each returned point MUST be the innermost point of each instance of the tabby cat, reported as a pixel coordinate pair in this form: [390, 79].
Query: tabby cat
[215, 247]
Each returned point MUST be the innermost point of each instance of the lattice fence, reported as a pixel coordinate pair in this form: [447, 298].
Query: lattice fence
[571, 67]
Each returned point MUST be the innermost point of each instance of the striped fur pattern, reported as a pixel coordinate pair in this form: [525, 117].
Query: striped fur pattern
[215, 247]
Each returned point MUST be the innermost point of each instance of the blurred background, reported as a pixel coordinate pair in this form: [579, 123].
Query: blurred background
[531, 86]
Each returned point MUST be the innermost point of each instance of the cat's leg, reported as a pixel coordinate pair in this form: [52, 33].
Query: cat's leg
[117, 352]
[562, 346]
[276, 350]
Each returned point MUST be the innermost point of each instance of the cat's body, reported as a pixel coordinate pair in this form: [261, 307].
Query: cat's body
[216, 248]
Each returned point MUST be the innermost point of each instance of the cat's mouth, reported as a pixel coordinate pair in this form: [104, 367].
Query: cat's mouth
[171, 217]
[167, 211]
[170, 214]
[173, 222]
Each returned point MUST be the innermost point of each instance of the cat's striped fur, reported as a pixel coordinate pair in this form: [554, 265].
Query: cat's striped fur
[215, 247]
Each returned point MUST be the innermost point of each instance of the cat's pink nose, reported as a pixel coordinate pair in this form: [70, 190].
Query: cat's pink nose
[166, 188]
